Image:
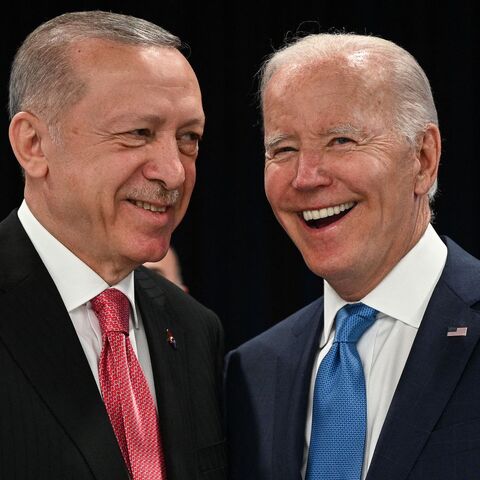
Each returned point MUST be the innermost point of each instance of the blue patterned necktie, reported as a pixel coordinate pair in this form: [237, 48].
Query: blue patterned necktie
[339, 417]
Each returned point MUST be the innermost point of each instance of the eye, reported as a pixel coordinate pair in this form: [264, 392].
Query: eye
[141, 132]
[284, 150]
[136, 135]
[188, 143]
[133, 138]
[279, 152]
[341, 141]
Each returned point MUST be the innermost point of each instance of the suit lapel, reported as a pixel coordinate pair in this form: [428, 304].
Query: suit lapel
[170, 370]
[293, 376]
[38, 333]
[431, 373]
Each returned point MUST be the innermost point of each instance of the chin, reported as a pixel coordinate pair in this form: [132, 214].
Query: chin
[326, 268]
[151, 251]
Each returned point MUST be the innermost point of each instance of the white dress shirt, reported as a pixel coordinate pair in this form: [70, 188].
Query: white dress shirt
[401, 299]
[77, 284]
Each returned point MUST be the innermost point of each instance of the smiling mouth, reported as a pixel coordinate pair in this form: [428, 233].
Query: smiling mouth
[148, 206]
[326, 216]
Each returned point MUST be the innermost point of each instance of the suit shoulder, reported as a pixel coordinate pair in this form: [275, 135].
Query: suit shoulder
[279, 336]
[18, 257]
[462, 273]
[182, 304]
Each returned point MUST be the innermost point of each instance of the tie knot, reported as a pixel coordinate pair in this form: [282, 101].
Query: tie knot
[112, 309]
[352, 320]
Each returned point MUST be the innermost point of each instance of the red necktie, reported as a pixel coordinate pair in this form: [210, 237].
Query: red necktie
[125, 391]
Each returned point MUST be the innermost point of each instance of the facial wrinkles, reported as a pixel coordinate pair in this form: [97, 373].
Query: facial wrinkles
[310, 125]
[289, 108]
[173, 90]
[377, 144]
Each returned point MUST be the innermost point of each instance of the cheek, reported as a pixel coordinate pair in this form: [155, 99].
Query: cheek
[186, 190]
[63, 185]
[274, 183]
[270, 193]
[190, 178]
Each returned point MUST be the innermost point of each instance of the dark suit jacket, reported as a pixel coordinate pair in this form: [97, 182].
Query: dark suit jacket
[432, 429]
[53, 423]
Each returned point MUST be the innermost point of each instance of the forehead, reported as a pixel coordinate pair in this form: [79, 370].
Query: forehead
[336, 90]
[93, 58]
[119, 76]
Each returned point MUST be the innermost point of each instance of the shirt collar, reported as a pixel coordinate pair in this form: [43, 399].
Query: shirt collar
[405, 292]
[76, 282]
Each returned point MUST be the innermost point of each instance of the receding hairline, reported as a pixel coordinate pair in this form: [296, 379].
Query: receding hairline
[93, 47]
[367, 77]
[357, 53]
[47, 50]
[393, 67]
[369, 69]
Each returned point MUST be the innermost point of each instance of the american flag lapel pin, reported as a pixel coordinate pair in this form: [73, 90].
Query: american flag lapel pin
[171, 339]
[457, 331]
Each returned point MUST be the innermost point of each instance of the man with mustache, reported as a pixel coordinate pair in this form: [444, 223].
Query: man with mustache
[108, 371]
[379, 378]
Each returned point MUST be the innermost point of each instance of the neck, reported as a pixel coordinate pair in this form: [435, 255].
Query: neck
[355, 284]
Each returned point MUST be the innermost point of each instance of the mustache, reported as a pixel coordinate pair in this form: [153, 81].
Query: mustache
[155, 193]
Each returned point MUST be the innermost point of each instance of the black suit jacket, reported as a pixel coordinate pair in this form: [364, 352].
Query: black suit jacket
[432, 429]
[53, 423]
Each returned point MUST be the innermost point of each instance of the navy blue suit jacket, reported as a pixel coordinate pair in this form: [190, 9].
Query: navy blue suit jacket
[432, 429]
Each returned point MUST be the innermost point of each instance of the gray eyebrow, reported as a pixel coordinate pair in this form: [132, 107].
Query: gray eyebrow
[345, 129]
[273, 140]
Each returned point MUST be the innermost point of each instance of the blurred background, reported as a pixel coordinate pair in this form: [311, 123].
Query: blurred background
[235, 258]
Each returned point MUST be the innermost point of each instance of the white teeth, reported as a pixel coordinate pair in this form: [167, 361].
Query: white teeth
[149, 206]
[326, 212]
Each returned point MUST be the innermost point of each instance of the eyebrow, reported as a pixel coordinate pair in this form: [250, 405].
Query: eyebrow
[152, 118]
[272, 141]
[345, 129]
[128, 117]
[200, 121]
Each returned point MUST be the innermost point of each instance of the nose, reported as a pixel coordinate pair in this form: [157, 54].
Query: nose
[164, 163]
[311, 171]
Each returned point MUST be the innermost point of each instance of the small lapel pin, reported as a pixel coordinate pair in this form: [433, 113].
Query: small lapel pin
[457, 332]
[171, 339]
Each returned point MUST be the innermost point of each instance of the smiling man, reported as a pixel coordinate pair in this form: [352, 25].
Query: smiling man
[377, 379]
[108, 370]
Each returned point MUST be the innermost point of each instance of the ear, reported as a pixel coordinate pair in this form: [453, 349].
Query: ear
[428, 156]
[26, 133]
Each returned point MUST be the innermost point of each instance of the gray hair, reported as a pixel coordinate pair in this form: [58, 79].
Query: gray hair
[414, 107]
[43, 79]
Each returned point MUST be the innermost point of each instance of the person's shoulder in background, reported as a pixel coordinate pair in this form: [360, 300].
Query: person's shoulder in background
[169, 267]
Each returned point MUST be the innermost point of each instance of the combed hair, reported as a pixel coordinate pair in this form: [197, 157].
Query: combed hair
[43, 79]
[414, 107]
